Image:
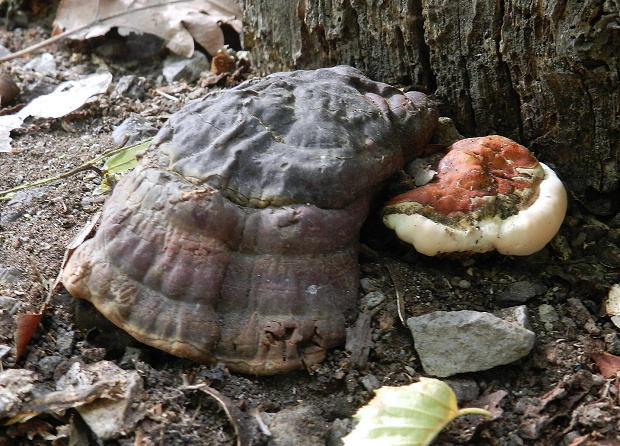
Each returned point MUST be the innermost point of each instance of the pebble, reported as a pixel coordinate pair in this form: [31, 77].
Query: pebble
[372, 299]
[612, 343]
[129, 86]
[370, 382]
[64, 341]
[340, 428]
[517, 315]
[367, 285]
[465, 389]
[47, 365]
[301, 425]
[612, 304]
[582, 316]
[452, 342]
[178, 67]
[20, 205]
[518, 293]
[547, 314]
[44, 64]
[10, 274]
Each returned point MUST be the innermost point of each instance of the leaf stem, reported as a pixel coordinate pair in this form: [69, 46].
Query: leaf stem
[474, 411]
[88, 165]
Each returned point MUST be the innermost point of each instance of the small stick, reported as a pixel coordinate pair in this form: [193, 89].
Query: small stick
[400, 294]
[89, 165]
[64, 34]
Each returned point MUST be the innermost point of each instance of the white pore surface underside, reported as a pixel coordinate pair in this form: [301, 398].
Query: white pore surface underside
[524, 233]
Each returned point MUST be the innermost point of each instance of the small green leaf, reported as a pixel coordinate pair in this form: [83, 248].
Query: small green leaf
[408, 416]
[116, 165]
[123, 161]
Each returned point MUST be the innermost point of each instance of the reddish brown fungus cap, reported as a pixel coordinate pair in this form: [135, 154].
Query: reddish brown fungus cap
[489, 193]
[474, 167]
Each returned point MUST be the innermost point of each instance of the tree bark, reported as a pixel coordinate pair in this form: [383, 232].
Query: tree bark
[544, 73]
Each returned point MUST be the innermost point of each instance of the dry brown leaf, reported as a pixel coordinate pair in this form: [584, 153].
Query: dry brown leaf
[608, 364]
[27, 324]
[244, 426]
[178, 22]
[59, 401]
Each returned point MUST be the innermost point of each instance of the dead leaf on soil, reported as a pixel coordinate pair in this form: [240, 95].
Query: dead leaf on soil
[102, 393]
[244, 426]
[27, 324]
[178, 22]
[465, 428]
[558, 402]
[65, 99]
[608, 364]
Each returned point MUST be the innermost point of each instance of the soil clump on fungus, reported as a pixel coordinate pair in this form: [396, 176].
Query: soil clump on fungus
[561, 393]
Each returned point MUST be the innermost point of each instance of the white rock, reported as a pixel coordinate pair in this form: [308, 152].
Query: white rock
[451, 342]
[44, 64]
[612, 304]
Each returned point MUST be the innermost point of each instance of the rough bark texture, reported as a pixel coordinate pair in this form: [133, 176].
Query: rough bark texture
[545, 73]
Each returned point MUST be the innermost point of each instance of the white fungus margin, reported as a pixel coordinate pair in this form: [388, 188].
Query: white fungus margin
[523, 233]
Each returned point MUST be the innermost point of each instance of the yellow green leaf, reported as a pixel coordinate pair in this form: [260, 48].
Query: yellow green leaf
[408, 416]
[123, 161]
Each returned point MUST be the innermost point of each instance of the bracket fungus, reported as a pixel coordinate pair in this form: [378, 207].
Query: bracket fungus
[236, 237]
[489, 193]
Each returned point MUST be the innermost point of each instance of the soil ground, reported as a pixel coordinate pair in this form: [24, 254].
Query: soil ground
[575, 274]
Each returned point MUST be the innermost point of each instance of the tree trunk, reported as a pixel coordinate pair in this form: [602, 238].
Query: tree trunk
[545, 73]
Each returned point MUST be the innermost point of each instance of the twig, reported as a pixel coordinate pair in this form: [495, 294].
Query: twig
[240, 423]
[96, 21]
[400, 294]
[89, 165]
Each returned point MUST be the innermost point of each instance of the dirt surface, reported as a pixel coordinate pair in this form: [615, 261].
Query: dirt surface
[171, 406]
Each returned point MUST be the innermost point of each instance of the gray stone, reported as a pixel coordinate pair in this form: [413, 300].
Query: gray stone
[10, 274]
[367, 285]
[372, 299]
[451, 342]
[44, 64]
[370, 382]
[465, 389]
[339, 429]
[300, 425]
[130, 86]
[546, 313]
[517, 315]
[178, 67]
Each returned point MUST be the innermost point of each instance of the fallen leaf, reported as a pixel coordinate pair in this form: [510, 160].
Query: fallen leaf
[491, 403]
[58, 402]
[558, 402]
[27, 324]
[608, 364]
[243, 425]
[66, 98]
[463, 429]
[223, 62]
[178, 22]
[407, 415]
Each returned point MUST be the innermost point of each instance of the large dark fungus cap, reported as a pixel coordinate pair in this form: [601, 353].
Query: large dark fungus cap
[236, 237]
